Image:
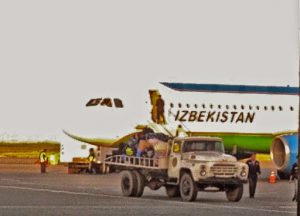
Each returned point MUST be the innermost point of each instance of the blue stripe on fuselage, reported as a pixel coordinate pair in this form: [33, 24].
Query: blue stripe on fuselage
[222, 88]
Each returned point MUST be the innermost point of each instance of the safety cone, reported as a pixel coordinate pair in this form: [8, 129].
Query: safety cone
[272, 178]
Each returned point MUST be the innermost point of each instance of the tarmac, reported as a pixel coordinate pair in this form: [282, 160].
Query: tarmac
[24, 191]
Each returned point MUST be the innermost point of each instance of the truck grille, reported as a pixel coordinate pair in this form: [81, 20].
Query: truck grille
[223, 169]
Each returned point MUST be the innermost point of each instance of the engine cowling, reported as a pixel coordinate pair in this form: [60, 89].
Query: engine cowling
[284, 151]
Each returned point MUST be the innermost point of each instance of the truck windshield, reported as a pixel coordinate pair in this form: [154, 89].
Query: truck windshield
[197, 145]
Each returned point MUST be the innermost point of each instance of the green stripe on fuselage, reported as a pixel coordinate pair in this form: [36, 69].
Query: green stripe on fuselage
[259, 143]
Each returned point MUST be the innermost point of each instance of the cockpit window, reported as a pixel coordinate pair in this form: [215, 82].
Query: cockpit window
[118, 103]
[196, 146]
[106, 102]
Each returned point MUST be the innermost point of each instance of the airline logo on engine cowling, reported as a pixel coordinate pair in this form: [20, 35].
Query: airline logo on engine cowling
[214, 116]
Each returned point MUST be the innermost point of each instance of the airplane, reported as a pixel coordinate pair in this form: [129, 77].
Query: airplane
[249, 118]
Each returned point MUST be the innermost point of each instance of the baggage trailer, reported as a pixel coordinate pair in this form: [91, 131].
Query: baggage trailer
[192, 164]
[80, 165]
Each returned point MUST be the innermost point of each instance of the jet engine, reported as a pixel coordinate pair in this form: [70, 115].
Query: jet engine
[284, 151]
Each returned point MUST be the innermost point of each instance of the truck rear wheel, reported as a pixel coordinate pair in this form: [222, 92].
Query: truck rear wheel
[172, 191]
[140, 184]
[235, 194]
[128, 183]
[188, 188]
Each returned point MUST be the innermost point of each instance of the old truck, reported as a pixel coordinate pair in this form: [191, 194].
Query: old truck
[192, 164]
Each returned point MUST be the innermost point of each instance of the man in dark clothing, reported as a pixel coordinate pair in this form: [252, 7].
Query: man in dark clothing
[294, 178]
[254, 171]
[160, 107]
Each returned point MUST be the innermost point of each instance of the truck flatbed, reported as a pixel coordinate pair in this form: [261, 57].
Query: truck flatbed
[137, 162]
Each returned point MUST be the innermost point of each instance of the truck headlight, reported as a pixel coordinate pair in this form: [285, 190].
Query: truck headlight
[243, 172]
[202, 172]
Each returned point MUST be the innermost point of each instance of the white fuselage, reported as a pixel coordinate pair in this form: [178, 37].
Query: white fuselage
[232, 112]
[195, 111]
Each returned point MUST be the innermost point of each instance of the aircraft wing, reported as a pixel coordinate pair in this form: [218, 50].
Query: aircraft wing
[101, 141]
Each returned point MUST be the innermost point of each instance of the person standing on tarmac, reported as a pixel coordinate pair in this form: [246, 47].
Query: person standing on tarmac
[180, 132]
[254, 171]
[92, 161]
[294, 178]
[43, 160]
[160, 107]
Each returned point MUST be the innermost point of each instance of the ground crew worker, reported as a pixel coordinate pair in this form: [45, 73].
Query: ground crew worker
[180, 132]
[43, 160]
[98, 155]
[254, 171]
[92, 161]
[294, 178]
[160, 107]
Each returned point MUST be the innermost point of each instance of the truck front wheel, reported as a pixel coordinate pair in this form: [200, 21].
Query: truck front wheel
[172, 191]
[188, 188]
[129, 183]
[235, 193]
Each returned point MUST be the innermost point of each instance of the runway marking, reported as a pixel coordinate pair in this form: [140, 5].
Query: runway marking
[21, 182]
[288, 207]
[89, 207]
[203, 205]
[57, 191]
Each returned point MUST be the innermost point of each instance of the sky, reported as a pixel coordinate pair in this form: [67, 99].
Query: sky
[55, 55]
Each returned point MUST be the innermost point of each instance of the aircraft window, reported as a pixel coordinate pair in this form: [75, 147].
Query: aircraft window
[292, 108]
[234, 106]
[257, 107]
[118, 103]
[272, 108]
[211, 106]
[227, 106]
[219, 106]
[242, 107]
[265, 108]
[171, 105]
[203, 105]
[196, 106]
[280, 108]
[179, 105]
[187, 106]
[250, 107]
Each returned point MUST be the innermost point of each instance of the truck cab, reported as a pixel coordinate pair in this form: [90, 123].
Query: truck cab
[200, 164]
[204, 158]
